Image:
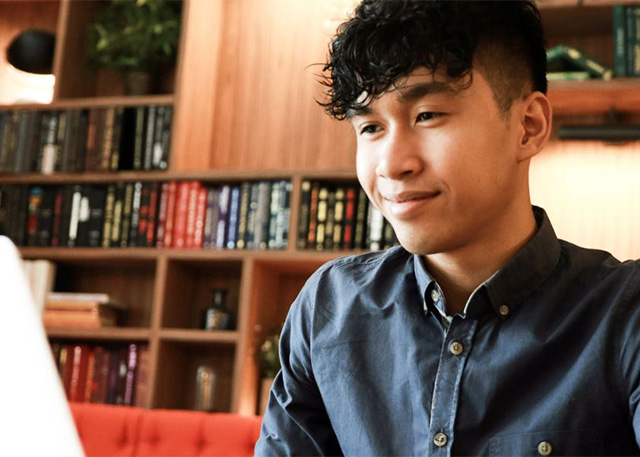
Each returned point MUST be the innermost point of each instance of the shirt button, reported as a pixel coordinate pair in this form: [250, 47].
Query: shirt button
[544, 448]
[456, 348]
[435, 295]
[504, 310]
[440, 439]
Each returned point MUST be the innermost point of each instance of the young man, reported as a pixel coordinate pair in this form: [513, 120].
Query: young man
[483, 334]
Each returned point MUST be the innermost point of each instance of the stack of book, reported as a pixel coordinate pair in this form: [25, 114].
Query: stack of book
[566, 62]
[100, 374]
[339, 217]
[81, 311]
[185, 214]
[96, 139]
[626, 40]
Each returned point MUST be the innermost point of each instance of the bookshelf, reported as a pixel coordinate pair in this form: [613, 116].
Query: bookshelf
[243, 96]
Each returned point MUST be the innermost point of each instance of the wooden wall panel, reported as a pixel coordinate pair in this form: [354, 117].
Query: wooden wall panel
[264, 114]
[591, 192]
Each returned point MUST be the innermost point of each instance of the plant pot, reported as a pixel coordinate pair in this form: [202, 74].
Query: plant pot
[265, 389]
[138, 83]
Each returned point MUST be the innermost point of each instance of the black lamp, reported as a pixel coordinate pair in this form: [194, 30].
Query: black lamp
[32, 51]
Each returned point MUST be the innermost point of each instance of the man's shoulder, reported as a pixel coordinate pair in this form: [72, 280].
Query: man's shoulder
[392, 259]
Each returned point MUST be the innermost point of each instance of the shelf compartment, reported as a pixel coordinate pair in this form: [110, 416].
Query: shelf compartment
[200, 336]
[188, 290]
[176, 374]
[594, 96]
[130, 281]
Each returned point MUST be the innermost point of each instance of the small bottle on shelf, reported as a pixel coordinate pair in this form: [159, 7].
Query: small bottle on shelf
[205, 388]
[217, 316]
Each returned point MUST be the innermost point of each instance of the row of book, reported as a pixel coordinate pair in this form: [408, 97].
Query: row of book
[81, 310]
[566, 62]
[117, 375]
[626, 40]
[94, 139]
[185, 214]
[340, 217]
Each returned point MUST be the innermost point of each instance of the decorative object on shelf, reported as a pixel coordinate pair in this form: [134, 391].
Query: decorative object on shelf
[136, 37]
[217, 315]
[614, 132]
[205, 388]
[569, 63]
[269, 362]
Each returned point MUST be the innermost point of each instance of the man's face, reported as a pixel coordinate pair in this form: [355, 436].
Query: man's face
[441, 165]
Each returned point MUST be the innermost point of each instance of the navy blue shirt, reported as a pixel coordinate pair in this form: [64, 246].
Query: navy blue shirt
[544, 360]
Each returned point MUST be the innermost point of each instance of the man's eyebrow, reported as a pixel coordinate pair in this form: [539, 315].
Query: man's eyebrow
[407, 94]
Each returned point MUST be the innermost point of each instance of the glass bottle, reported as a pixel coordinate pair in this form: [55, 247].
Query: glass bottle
[216, 316]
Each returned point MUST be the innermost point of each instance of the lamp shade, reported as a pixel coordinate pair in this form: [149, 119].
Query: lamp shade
[32, 51]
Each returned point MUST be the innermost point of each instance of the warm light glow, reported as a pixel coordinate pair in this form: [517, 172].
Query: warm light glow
[337, 12]
[591, 192]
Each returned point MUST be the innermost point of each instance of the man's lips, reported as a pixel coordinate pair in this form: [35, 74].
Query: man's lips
[405, 197]
[406, 204]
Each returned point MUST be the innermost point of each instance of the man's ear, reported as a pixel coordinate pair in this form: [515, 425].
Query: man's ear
[535, 125]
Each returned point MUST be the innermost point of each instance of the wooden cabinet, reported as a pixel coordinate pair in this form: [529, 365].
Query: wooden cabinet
[243, 95]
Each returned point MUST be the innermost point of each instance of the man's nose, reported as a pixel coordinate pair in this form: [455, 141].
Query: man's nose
[400, 156]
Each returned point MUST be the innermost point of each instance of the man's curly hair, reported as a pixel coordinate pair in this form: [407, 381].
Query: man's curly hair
[387, 39]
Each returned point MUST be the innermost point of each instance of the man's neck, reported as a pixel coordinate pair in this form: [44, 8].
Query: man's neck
[460, 272]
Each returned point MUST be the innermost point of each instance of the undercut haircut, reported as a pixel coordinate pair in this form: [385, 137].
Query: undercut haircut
[386, 40]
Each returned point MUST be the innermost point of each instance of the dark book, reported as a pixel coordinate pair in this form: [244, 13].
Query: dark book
[211, 218]
[22, 210]
[118, 211]
[67, 363]
[68, 132]
[96, 196]
[166, 137]
[129, 385]
[109, 205]
[245, 195]
[362, 210]
[303, 216]
[90, 375]
[252, 219]
[116, 143]
[139, 136]
[101, 378]
[21, 162]
[143, 218]
[274, 206]
[329, 225]
[127, 139]
[106, 141]
[3, 115]
[115, 363]
[78, 372]
[57, 215]
[282, 218]
[141, 389]
[127, 208]
[12, 142]
[162, 214]
[7, 145]
[157, 138]
[223, 215]
[136, 202]
[263, 216]
[234, 213]
[34, 204]
[93, 139]
[147, 159]
[60, 138]
[153, 214]
[633, 40]
[121, 383]
[65, 215]
[45, 217]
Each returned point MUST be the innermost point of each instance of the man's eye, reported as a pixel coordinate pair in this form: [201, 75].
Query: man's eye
[427, 116]
[369, 129]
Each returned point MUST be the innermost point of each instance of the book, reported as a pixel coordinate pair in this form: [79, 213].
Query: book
[192, 209]
[134, 225]
[141, 391]
[106, 142]
[565, 58]
[274, 207]
[79, 319]
[349, 219]
[101, 377]
[41, 275]
[245, 195]
[147, 159]
[96, 196]
[362, 210]
[170, 221]
[117, 139]
[108, 215]
[375, 221]
[313, 215]
[143, 218]
[45, 217]
[180, 218]
[211, 219]
[201, 209]
[234, 213]
[338, 217]
[33, 210]
[330, 222]
[132, 362]
[568, 76]
[303, 217]
[323, 195]
[254, 199]
[162, 214]
[633, 40]
[127, 208]
[261, 234]
[223, 211]
[619, 41]
[153, 212]
[139, 136]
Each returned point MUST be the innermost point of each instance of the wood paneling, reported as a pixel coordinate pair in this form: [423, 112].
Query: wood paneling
[262, 113]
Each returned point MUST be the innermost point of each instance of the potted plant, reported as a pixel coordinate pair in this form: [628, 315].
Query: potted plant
[135, 37]
[269, 362]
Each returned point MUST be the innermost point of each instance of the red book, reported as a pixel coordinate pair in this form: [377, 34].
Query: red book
[66, 366]
[57, 218]
[101, 376]
[180, 219]
[313, 215]
[171, 211]
[349, 219]
[78, 373]
[153, 209]
[142, 378]
[162, 214]
[201, 209]
[91, 367]
[194, 189]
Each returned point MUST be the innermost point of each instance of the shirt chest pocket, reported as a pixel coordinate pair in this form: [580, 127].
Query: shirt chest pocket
[566, 442]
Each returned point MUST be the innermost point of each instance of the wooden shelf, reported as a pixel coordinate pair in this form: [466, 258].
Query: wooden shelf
[104, 334]
[95, 102]
[199, 336]
[594, 96]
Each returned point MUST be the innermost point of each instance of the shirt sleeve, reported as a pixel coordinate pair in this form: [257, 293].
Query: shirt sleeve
[296, 421]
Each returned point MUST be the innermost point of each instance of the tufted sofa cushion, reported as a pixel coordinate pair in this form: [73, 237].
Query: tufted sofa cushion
[107, 430]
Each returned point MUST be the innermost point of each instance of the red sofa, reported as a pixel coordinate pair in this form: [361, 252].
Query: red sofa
[107, 430]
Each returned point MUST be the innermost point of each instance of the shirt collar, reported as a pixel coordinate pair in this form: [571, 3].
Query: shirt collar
[517, 278]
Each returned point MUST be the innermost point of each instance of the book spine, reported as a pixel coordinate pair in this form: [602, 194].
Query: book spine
[223, 203]
[192, 207]
[211, 203]
[234, 213]
[127, 209]
[141, 390]
[252, 216]
[283, 216]
[329, 225]
[162, 214]
[634, 39]
[148, 140]
[245, 191]
[50, 149]
[323, 196]
[262, 216]
[171, 212]
[303, 218]
[338, 215]
[157, 138]
[143, 219]
[276, 190]
[106, 144]
[91, 372]
[35, 202]
[375, 223]
[45, 217]
[135, 214]
[103, 365]
[153, 214]
[180, 220]
[139, 135]
[166, 137]
[201, 209]
[116, 143]
[361, 220]
[118, 206]
[132, 361]
[108, 215]
[619, 41]
[349, 219]
[313, 215]
[57, 217]
[96, 196]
